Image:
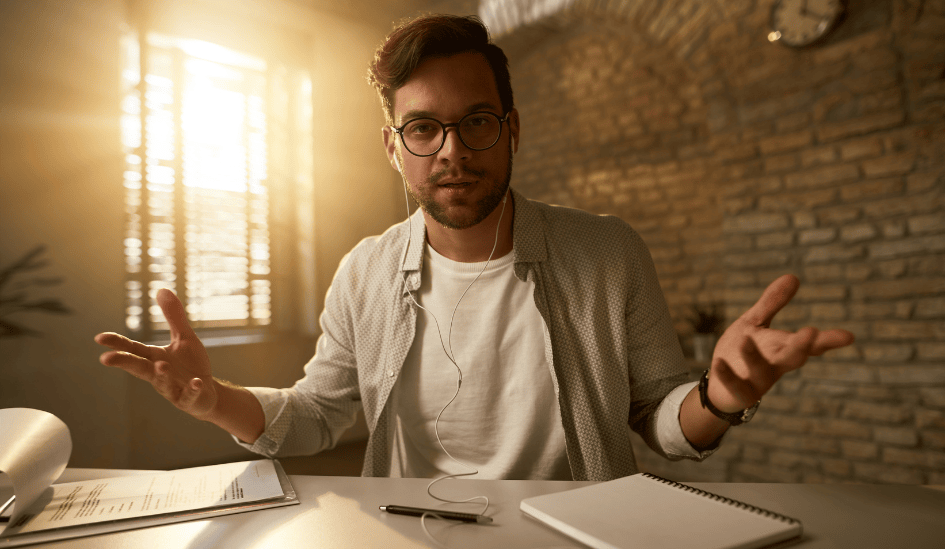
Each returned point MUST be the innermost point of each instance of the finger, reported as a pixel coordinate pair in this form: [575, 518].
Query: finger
[121, 343]
[795, 349]
[831, 339]
[141, 368]
[763, 371]
[190, 393]
[163, 382]
[175, 314]
[741, 389]
[775, 297]
[181, 393]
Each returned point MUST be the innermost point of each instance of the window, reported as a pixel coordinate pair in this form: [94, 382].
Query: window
[219, 150]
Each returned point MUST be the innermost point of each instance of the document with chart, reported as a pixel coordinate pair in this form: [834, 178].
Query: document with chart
[77, 509]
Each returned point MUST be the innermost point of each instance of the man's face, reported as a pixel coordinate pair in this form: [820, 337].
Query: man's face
[458, 187]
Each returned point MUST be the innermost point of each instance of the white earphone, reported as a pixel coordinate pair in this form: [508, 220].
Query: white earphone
[397, 164]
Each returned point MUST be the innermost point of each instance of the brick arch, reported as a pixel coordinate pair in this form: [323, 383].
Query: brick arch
[692, 35]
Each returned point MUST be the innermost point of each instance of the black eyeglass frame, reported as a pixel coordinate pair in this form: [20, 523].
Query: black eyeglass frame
[444, 127]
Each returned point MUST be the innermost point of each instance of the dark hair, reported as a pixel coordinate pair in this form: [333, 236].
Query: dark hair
[415, 40]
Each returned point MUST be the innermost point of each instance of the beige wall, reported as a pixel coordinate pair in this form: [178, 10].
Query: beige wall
[60, 185]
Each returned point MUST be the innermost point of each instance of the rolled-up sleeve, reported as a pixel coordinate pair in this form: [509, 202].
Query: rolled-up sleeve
[273, 402]
[669, 432]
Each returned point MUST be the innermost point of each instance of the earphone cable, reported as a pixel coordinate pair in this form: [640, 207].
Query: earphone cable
[448, 350]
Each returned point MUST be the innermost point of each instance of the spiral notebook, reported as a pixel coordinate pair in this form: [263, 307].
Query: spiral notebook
[643, 511]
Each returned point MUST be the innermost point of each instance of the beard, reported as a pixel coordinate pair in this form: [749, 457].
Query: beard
[482, 208]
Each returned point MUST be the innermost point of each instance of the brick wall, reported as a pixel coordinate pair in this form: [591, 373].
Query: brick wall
[739, 160]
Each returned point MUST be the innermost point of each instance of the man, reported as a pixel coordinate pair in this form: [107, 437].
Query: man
[556, 324]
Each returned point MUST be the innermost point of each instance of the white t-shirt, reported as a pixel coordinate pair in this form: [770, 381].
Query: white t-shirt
[505, 421]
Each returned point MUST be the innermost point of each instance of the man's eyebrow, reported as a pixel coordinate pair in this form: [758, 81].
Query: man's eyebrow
[484, 105]
[410, 115]
[418, 113]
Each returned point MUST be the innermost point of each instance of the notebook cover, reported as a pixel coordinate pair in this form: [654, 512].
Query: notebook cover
[644, 511]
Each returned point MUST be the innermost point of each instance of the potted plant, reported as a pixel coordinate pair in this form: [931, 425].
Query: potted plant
[14, 298]
[707, 322]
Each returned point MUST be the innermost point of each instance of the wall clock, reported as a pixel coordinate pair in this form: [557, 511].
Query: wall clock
[799, 23]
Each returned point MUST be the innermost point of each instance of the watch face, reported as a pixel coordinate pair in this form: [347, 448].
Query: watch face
[750, 412]
[800, 23]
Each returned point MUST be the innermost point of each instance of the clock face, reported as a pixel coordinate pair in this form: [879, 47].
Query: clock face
[799, 23]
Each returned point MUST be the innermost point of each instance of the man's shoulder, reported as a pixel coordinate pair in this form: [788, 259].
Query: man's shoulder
[377, 250]
[574, 215]
[590, 248]
[572, 223]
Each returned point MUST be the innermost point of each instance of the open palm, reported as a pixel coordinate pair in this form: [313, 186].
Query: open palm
[750, 356]
[179, 371]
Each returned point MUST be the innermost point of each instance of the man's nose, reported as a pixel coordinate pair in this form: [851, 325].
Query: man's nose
[453, 145]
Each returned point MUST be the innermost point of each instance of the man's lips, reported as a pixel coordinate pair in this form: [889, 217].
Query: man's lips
[459, 178]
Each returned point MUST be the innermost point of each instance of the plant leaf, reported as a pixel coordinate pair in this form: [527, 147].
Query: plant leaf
[9, 329]
[39, 281]
[25, 263]
[49, 305]
[12, 299]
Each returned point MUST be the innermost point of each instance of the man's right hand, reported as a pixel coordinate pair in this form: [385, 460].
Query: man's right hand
[179, 371]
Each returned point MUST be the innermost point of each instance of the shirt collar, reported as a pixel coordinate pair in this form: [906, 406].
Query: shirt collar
[413, 253]
[528, 231]
[528, 235]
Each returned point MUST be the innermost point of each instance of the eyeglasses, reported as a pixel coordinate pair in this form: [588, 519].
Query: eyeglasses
[425, 136]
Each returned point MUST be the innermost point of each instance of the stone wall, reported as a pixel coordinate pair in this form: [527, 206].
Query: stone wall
[739, 160]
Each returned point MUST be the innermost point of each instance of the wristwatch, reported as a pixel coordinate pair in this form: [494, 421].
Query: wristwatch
[735, 419]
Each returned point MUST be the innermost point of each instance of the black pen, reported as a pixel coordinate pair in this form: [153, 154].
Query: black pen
[451, 515]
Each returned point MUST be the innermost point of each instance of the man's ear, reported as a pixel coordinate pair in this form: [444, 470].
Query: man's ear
[514, 129]
[390, 146]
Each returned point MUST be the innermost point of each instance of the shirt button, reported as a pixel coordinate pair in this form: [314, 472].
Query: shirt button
[390, 373]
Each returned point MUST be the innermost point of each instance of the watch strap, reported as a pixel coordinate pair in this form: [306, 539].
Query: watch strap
[736, 418]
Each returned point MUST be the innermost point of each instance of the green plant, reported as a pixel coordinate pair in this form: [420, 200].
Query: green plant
[707, 318]
[14, 298]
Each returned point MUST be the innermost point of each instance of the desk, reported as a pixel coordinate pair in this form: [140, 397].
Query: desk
[342, 512]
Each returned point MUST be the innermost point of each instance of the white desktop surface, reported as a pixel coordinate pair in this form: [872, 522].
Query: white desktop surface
[342, 512]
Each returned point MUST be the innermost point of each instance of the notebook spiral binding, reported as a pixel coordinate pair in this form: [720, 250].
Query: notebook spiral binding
[723, 499]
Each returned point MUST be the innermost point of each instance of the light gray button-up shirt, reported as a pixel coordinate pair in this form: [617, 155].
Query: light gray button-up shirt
[616, 359]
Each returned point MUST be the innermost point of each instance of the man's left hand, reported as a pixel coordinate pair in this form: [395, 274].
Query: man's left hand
[750, 356]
